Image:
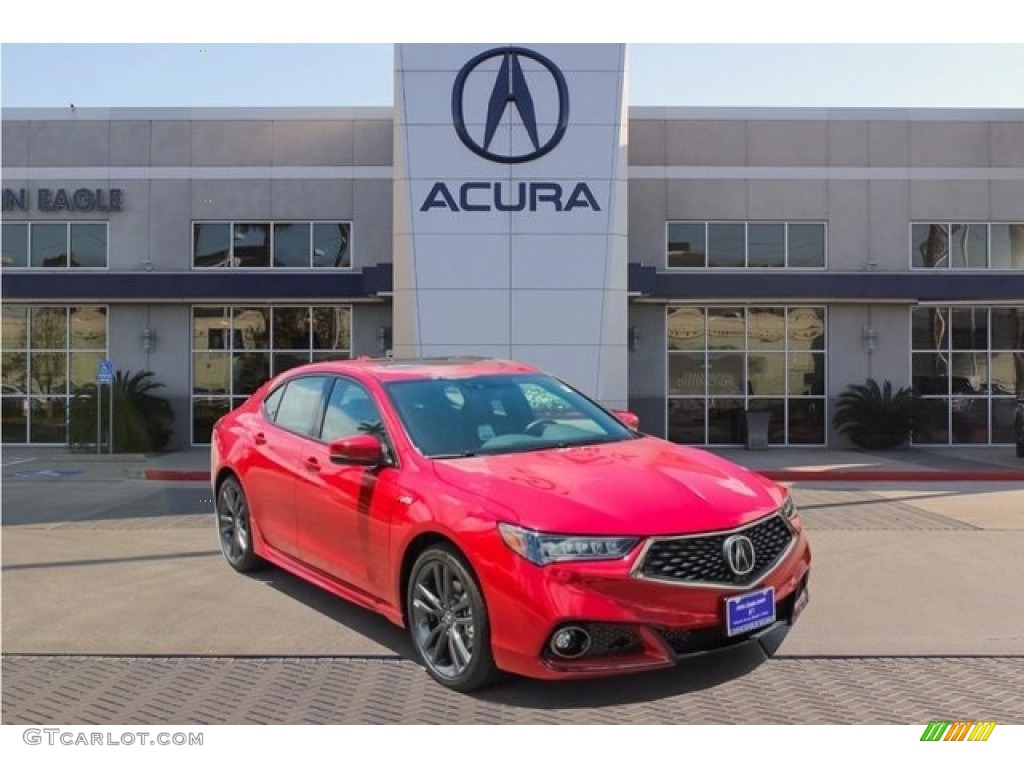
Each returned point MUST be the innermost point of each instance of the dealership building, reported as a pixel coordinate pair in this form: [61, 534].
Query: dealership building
[695, 265]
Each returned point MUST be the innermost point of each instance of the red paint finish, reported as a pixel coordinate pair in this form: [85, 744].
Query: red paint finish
[474, 444]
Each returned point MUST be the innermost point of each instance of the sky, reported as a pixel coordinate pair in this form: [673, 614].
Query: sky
[741, 53]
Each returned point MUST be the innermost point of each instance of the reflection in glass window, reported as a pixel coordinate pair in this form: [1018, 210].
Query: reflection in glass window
[766, 245]
[726, 245]
[1007, 249]
[967, 368]
[266, 244]
[299, 404]
[806, 245]
[738, 245]
[49, 245]
[769, 359]
[211, 245]
[686, 328]
[929, 245]
[88, 327]
[291, 244]
[251, 245]
[237, 349]
[88, 245]
[49, 355]
[970, 245]
[331, 245]
[15, 245]
[957, 245]
[687, 244]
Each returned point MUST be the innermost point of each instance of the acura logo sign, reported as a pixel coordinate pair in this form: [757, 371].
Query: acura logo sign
[511, 94]
[739, 554]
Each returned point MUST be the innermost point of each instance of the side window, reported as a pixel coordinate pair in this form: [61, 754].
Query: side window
[350, 411]
[271, 403]
[299, 404]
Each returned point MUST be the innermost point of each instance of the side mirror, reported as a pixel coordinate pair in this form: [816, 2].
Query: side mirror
[360, 450]
[628, 418]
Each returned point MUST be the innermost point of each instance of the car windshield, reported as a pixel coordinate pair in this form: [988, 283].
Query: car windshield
[505, 413]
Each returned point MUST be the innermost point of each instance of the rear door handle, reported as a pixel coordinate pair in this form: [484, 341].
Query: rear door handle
[259, 438]
[312, 464]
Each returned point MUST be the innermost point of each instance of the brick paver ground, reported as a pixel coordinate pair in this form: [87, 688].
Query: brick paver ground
[117, 690]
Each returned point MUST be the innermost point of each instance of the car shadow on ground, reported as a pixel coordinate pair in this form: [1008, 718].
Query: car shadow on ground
[365, 622]
[695, 673]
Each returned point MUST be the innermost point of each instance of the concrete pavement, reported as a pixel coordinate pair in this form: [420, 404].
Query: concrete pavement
[104, 569]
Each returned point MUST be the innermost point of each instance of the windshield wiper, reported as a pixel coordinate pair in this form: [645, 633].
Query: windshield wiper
[463, 455]
[587, 441]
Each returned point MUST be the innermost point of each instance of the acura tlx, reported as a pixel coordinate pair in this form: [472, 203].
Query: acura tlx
[506, 520]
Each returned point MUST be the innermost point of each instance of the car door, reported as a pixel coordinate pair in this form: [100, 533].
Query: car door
[346, 510]
[279, 436]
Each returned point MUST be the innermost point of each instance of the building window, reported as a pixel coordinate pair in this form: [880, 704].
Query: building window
[237, 348]
[967, 366]
[55, 245]
[49, 355]
[724, 361]
[966, 246]
[265, 244]
[743, 245]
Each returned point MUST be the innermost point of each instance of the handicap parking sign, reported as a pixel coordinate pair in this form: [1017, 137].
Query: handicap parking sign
[105, 372]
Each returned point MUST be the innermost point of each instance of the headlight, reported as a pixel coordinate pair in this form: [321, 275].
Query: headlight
[545, 548]
[788, 510]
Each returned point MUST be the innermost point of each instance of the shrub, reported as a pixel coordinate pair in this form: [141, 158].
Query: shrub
[875, 417]
[142, 421]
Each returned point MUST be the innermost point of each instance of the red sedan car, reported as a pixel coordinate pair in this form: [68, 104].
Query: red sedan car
[505, 519]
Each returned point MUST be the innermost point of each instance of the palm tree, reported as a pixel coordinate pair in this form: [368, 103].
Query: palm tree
[875, 417]
[141, 420]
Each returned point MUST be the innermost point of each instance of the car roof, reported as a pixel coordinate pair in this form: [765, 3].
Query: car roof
[398, 369]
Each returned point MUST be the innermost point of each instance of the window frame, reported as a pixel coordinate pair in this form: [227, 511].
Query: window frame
[746, 351]
[309, 353]
[949, 266]
[272, 225]
[68, 225]
[746, 266]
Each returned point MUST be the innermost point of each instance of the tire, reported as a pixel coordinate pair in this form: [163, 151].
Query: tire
[448, 620]
[234, 528]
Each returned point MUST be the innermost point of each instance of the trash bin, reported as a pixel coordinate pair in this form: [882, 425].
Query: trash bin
[757, 430]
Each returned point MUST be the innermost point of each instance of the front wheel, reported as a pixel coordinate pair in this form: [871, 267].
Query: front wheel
[234, 527]
[448, 620]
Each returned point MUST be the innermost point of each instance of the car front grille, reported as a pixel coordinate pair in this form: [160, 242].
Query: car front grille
[701, 559]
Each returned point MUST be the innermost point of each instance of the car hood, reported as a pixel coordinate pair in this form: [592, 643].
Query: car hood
[644, 487]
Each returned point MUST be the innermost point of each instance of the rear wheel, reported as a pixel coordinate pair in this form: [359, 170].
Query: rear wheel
[235, 527]
[448, 620]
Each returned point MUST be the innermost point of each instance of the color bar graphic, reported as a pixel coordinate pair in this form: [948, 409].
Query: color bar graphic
[958, 730]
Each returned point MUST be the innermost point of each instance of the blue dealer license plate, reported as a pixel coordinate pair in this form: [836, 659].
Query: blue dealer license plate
[750, 611]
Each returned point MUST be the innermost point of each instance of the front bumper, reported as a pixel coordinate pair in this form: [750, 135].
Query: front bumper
[633, 624]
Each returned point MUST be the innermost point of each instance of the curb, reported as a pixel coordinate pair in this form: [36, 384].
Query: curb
[177, 474]
[895, 476]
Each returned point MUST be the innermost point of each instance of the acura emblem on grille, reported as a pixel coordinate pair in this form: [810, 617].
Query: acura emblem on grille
[739, 554]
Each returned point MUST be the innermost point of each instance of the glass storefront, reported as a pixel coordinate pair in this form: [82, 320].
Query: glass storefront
[724, 361]
[967, 367]
[49, 354]
[237, 348]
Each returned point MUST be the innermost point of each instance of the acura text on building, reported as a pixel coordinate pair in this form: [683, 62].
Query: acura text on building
[510, 88]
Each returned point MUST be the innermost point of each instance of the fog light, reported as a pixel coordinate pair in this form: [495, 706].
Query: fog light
[570, 642]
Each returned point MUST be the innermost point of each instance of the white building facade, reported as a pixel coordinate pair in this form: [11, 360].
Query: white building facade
[693, 264]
